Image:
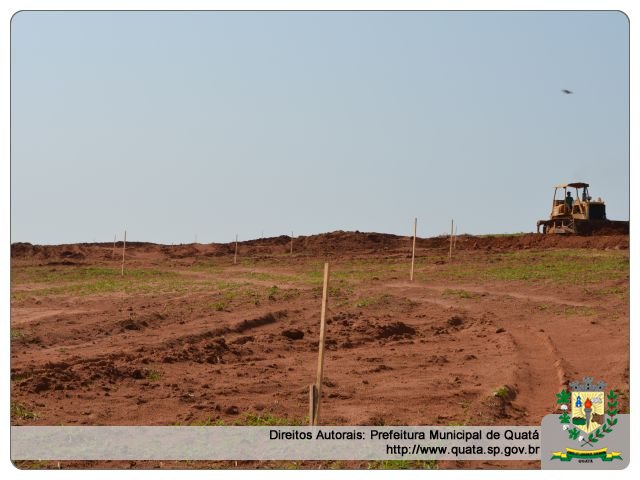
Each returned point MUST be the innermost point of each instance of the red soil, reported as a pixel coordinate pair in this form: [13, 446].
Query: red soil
[429, 352]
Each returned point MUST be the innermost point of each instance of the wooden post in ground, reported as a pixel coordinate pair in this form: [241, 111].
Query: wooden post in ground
[413, 250]
[315, 391]
[113, 252]
[312, 403]
[124, 246]
[451, 241]
[235, 253]
[455, 236]
[291, 249]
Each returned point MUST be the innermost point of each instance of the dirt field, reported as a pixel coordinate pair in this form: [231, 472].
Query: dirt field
[186, 337]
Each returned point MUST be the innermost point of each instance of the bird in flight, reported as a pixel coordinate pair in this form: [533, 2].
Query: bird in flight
[568, 92]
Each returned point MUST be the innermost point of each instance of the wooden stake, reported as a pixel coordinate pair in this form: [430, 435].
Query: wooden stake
[291, 249]
[124, 246]
[323, 311]
[451, 241]
[413, 250]
[113, 252]
[312, 403]
[235, 253]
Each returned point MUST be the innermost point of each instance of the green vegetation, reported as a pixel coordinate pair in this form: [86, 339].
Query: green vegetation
[30, 464]
[20, 411]
[207, 267]
[153, 375]
[383, 300]
[362, 269]
[269, 277]
[290, 293]
[339, 289]
[578, 310]
[250, 419]
[566, 309]
[20, 377]
[268, 419]
[619, 292]
[171, 284]
[272, 292]
[503, 392]
[45, 274]
[563, 266]
[220, 305]
[208, 422]
[17, 334]
[403, 465]
[459, 293]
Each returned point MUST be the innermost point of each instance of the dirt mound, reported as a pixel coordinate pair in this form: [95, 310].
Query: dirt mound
[395, 329]
[332, 243]
[539, 241]
[341, 241]
[22, 249]
[293, 334]
[181, 251]
[259, 321]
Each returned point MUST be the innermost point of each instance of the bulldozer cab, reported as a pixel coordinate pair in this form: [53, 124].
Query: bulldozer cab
[577, 207]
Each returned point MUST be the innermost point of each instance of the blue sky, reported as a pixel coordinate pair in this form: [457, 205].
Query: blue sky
[177, 124]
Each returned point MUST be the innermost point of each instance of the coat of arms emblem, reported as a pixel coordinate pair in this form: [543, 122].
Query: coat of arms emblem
[588, 414]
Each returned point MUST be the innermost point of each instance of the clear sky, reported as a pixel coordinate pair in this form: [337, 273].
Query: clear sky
[173, 125]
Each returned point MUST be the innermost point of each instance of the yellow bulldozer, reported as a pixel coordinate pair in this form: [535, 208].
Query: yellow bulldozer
[580, 215]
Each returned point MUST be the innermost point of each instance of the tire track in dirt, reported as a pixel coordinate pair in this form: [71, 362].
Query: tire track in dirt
[31, 315]
[500, 293]
[539, 372]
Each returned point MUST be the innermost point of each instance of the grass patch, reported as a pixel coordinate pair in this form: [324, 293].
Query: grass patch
[268, 419]
[17, 334]
[143, 285]
[336, 289]
[153, 375]
[503, 392]
[48, 274]
[251, 420]
[207, 267]
[268, 277]
[208, 422]
[220, 306]
[403, 465]
[578, 310]
[459, 293]
[565, 266]
[20, 411]
[384, 299]
[622, 293]
[290, 294]
[30, 464]
[272, 292]
[20, 377]
[86, 281]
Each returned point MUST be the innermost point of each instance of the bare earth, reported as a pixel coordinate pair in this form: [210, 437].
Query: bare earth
[186, 337]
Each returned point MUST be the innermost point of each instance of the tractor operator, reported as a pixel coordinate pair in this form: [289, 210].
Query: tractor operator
[568, 202]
